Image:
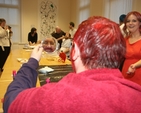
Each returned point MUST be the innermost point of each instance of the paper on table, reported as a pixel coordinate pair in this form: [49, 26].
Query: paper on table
[32, 47]
[29, 50]
[22, 60]
[19, 59]
[46, 69]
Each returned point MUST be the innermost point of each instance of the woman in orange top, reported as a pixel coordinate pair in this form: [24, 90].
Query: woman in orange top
[132, 65]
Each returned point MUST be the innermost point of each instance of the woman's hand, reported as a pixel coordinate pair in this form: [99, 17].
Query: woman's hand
[37, 52]
[131, 70]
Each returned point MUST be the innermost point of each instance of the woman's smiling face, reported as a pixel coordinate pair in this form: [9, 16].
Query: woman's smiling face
[132, 23]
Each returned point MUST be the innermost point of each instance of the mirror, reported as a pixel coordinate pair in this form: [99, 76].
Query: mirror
[50, 45]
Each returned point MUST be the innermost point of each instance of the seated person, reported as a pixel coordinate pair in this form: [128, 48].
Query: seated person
[72, 29]
[66, 44]
[32, 36]
[57, 34]
[95, 86]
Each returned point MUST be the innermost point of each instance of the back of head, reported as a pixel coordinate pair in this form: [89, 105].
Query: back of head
[137, 15]
[9, 27]
[2, 20]
[121, 18]
[100, 42]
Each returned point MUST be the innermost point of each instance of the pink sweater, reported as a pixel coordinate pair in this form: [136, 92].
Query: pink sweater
[92, 91]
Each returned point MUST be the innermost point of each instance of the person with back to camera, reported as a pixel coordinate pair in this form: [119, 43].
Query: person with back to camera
[32, 36]
[132, 65]
[95, 86]
[121, 23]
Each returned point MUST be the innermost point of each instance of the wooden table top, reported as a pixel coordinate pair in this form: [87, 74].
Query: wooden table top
[12, 63]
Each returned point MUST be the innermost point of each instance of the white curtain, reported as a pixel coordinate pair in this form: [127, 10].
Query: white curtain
[84, 11]
[114, 8]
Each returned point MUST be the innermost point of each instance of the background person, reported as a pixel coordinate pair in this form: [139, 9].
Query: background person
[72, 29]
[32, 36]
[132, 65]
[58, 34]
[66, 44]
[10, 33]
[96, 86]
[4, 43]
[121, 23]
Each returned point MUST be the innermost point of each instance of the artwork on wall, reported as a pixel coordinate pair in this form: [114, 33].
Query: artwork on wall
[48, 17]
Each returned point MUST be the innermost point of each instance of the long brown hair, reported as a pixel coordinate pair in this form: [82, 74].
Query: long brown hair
[138, 16]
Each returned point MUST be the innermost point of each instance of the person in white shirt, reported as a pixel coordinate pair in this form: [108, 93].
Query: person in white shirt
[4, 43]
[72, 29]
[66, 44]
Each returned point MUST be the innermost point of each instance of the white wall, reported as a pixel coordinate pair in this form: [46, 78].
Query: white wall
[29, 17]
[30, 13]
[137, 5]
[68, 10]
[95, 7]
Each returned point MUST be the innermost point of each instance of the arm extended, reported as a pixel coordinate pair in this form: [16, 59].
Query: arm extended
[25, 78]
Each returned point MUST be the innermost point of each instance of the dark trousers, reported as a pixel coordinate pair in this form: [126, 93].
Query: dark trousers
[3, 56]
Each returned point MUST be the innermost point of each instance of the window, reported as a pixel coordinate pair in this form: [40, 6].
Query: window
[10, 11]
[83, 10]
[114, 8]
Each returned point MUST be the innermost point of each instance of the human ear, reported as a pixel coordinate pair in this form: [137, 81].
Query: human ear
[75, 52]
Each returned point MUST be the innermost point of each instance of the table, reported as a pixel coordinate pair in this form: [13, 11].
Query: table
[13, 64]
[54, 76]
